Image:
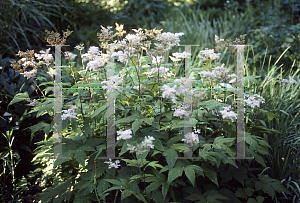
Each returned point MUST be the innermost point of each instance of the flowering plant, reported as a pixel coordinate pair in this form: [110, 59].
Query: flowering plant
[147, 105]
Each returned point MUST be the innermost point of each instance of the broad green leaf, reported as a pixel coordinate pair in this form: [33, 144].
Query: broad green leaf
[170, 155]
[190, 173]
[153, 186]
[154, 164]
[19, 97]
[80, 156]
[165, 188]
[98, 111]
[174, 173]
[212, 176]
[136, 125]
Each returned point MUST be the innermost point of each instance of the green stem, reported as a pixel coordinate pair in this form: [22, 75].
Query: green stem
[116, 196]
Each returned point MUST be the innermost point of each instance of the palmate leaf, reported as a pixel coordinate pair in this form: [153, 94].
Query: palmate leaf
[269, 186]
[59, 188]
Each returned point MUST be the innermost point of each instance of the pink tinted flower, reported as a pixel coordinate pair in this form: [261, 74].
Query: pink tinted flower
[113, 165]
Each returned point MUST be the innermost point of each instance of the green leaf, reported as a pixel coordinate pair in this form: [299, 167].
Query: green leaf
[80, 156]
[125, 193]
[59, 162]
[251, 200]
[19, 97]
[170, 155]
[9, 88]
[165, 188]
[190, 173]
[154, 164]
[153, 186]
[212, 176]
[98, 111]
[136, 125]
[174, 173]
[147, 120]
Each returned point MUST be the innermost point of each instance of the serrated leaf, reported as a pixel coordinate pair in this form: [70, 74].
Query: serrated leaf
[212, 176]
[190, 173]
[174, 173]
[153, 186]
[80, 156]
[170, 155]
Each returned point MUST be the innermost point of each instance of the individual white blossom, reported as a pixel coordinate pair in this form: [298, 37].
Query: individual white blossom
[233, 80]
[125, 135]
[113, 165]
[254, 100]
[191, 138]
[196, 130]
[70, 113]
[228, 114]
[0, 68]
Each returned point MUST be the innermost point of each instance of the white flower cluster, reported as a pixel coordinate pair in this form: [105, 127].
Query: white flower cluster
[181, 55]
[143, 147]
[183, 86]
[169, 39]
[32, 102]
[180, 112]
[253, 101]
[113, 165]
[290, 81]
[70, 113]
[29, 74]
[70, 55]
[97, 60]
[161, 70]
[45, 56]
[219, 72]
[123, 56]
[125, 135]
[228, 114]
[112, 83]
[191, 138]
[209, 55]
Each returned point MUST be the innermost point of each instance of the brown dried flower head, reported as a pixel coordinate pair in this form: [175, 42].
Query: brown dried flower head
[54, 38]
